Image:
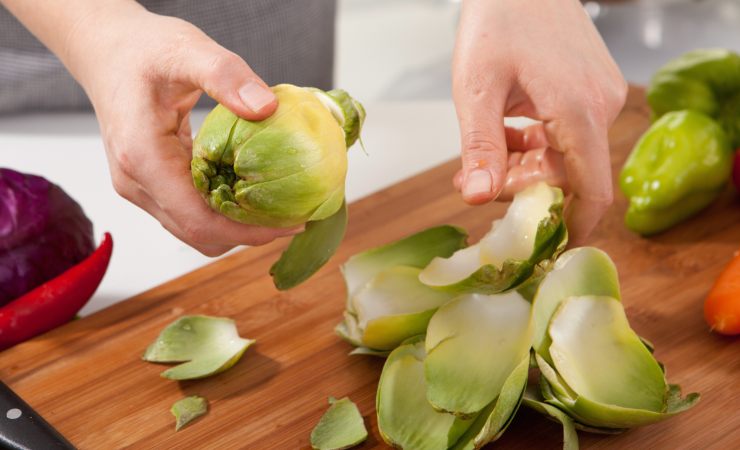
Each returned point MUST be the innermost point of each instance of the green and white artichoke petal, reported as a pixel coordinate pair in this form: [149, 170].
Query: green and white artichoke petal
[394, 306]
[416, 250]
[309, 250]
[531, 233]
[204, 345]
[340, 427]
[493, 420]
[473, 344]
[406, 420]
[603, 374]
[579, 271]
[533, 400]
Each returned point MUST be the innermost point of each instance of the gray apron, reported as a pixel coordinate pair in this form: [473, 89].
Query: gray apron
[284, 41]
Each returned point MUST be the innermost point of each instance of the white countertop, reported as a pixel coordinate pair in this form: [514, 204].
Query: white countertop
[401, 139]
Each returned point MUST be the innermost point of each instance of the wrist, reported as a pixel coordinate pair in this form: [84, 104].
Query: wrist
[102, 30]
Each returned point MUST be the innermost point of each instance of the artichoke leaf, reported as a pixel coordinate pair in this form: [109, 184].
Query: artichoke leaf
[531, 233]
[473, 344]
[205, 345]
[405, 419]
[394, 306]
[603, 375]
[188, 409]
[493, 420]
[416, 250]
[533, 400]
[579, 271]
[309, 250]
[340, 427]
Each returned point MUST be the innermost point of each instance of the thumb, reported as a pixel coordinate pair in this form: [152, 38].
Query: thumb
[484, 152]
[226, 78]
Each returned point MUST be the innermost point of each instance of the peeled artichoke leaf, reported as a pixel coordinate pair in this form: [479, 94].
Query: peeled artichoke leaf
[416, 250]
[579, 271]
[599, 356]
[534, 401]
[493, 420]
[340, 427]
[310, 250]
[394, 306]
[629, 390]
[205, 345]
[405, 419]
[473, 344]
[188, 409]
[531, 232]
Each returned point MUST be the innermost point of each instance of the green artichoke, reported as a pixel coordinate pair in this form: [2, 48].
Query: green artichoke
[283, 171]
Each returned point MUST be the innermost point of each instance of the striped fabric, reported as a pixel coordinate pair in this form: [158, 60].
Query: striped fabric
[282, 40]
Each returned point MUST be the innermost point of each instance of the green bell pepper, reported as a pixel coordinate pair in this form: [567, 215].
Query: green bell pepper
[705, 80]
[676, 169]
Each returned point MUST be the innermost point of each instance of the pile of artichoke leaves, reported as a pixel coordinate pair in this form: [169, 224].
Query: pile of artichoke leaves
[463, 326]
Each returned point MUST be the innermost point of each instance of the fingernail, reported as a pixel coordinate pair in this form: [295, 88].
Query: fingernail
[477, 182]
[255, 96]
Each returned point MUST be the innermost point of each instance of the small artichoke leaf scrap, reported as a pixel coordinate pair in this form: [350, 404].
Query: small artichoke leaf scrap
[188, 409]
[309, 250]
[473, 344]
[384, 294]
[204, 345]
[531, 233]
[493, 420]
[406, 420]
[340, 427]
[534, 400]
[603, 375]
[579, 271]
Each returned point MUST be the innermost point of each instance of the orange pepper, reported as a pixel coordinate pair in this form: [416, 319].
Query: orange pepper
[722, 305]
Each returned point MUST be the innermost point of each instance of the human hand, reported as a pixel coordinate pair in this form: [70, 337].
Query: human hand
[144, 73]
[544, 60]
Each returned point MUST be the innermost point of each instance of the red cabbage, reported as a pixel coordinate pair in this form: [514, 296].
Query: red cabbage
[43, 232]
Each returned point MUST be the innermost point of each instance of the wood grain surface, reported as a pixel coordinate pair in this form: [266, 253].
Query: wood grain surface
[88, 380]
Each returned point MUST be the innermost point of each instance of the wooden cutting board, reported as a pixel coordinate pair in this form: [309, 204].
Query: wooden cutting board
[88, 380]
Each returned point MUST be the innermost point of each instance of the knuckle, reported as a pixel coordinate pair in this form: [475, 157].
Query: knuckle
[479, 149]
[478, 142]
[221, 62]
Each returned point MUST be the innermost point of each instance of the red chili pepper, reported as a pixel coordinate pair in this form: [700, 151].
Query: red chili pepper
[736, 170]
[56, 301]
